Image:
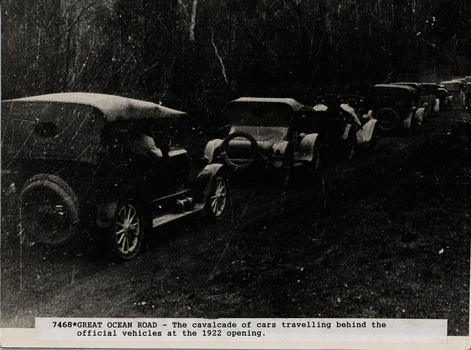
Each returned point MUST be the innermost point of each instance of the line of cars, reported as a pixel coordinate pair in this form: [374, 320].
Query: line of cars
[457, 141]
[67, 160]
[460, 90]
[407, 104]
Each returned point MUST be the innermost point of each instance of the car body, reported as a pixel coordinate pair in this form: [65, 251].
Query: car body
[69, 159]
[461, 80]
[340, 132]
[394, 106]
[453, 87]
[265, 132]
[429, 98]
[445, 99]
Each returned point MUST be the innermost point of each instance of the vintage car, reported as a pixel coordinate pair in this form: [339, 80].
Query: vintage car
[453, 87]
[266, 132]
[394, 106]
[342, 129]
[445, 99]
[429, 98]
[70, 160]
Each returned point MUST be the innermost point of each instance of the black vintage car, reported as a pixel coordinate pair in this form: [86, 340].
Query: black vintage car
[69, 157]
[427, 96]
[454, 87]
[394, 106]
[445, 99]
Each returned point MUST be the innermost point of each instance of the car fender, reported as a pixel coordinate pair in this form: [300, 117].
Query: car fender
[210, 148]
[279, 148]
[107, 209]
[306, 147]
[202, 183]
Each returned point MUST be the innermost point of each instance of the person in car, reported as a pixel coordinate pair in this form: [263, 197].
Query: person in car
[144, 144]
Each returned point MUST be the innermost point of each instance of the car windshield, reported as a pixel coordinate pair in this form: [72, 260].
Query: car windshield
[260, 114]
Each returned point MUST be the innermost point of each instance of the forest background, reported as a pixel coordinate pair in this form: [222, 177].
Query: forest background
[196, 55]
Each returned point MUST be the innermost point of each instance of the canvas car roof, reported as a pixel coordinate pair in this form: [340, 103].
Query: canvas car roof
[295, 105]
[450, 82]
[113, 107]
[406, 83]
[393, 86]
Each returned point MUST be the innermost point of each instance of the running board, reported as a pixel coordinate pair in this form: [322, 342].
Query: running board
[163, 219]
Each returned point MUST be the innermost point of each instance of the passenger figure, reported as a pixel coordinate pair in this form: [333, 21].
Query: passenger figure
[144, 144]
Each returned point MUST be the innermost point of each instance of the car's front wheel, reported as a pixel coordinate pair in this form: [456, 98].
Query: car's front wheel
[127, 231]
[217, 199]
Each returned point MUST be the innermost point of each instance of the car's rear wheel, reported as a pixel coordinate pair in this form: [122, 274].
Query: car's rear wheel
[127, 231]
[217, 200]
[49, 211]
[232, 160]
[388, 119]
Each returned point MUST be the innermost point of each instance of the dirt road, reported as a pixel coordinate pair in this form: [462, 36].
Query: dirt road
[382, 235]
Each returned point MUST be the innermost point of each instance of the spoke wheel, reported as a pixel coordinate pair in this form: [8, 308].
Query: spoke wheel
[217, 201]
[127, 230]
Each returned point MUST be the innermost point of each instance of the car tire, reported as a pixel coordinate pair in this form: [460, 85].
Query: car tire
[49, 210]
[253, 145]
[388, 119]
[217, 200]
[127, 231]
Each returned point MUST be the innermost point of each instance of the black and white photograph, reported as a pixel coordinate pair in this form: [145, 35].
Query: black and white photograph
[235, 159]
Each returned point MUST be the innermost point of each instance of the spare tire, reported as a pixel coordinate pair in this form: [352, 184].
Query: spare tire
[239, 164]
[388, 119]
[49, 211]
